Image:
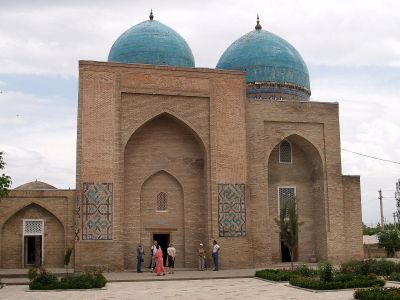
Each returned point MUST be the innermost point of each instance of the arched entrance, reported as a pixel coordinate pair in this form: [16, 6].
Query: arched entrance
[165, 157]
[295, 169]
[34, 235]
[161, 212]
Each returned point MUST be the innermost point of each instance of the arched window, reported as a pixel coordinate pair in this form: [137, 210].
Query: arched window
[162, 203]
[285, 152]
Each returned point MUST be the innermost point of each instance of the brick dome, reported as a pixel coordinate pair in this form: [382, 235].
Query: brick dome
[35, 185]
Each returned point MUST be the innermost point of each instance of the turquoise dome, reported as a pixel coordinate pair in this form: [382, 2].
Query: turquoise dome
[151, 42]
[265, 57]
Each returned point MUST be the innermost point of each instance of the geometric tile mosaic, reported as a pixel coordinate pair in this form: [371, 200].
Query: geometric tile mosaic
[231, 210]
[97, 214]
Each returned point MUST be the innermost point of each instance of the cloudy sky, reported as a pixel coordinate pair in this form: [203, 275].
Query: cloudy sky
[351, 47]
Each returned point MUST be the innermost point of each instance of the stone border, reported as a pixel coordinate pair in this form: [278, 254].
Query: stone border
[65, 290]
[270, 281]
[321, 291]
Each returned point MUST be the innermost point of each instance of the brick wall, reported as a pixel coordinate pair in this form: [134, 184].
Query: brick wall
[55, 207]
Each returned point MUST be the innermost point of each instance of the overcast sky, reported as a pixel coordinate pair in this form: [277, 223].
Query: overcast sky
[351, 47]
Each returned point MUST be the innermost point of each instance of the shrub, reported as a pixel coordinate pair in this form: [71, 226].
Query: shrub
[44, 281]
[35, 272]
[358, 281]
[325, 271]
[47, 281]
[372, 266]
[390, 240]
[395, 276]
[304, 271]
[378, 293]
[275, 275]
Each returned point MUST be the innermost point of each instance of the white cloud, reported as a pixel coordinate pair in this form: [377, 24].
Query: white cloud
[49, 37]
[369, 125]
[43, 37]
[38, 138]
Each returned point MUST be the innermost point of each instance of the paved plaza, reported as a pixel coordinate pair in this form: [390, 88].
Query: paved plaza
[237, 288]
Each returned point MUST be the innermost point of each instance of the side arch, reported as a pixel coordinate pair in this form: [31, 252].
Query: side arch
[53, 239]
[307, 176]
[13, 211]
[300, 139]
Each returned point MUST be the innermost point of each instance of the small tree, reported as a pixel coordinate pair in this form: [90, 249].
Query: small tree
[390, 240]
[5, 181]
[67, 257]
[289, 226]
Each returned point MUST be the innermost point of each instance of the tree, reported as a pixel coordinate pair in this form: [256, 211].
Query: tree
[67, 257]
[5, 181]
[371, 230]
[390, 240]
[289, 226]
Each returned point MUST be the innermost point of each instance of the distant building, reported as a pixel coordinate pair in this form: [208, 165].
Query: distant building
[170, 152]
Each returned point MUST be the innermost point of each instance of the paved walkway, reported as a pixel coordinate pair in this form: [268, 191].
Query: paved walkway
[132, 276]
[236, 288]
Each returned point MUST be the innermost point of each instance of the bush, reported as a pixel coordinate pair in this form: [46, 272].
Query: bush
[395, 276]
[44, 281]
[284, 275]
[378, 293]
[390, 240]
[304, 271]
[372, 266]
[83, 281]
[275, 275]
[325, 271]
[47, 281]
[358, 281]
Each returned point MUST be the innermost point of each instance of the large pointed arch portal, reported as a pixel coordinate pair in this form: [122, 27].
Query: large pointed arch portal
[165, 159]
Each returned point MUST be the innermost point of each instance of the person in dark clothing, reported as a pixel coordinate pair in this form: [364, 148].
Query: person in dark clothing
[139, 256]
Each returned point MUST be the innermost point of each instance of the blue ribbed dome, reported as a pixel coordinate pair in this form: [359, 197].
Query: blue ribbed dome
[151, 42]
[265, 57]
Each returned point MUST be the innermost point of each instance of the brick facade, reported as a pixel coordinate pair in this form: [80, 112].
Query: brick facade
[146, 130]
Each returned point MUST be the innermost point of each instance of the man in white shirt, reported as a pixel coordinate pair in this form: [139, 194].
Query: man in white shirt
[215, 255]
[153, 250]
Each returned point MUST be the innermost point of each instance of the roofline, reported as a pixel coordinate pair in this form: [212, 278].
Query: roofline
[158, 67]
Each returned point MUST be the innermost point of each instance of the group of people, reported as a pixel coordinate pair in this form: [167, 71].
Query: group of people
[157, 261]
[156, 258]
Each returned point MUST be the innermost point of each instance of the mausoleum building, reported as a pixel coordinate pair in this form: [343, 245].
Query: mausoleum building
[174, 153]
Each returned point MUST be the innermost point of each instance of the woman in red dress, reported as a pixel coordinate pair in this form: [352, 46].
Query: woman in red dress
[159, 262]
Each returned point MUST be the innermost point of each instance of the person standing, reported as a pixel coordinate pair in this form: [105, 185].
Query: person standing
[201, 252]
[159, 261]
[215, 255]
[171, 258]
[153, 250]
[139, 256]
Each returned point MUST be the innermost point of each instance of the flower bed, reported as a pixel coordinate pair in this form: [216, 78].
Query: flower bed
[395, 276]
[372, 266]
[44, 280]
[275, 275]
[285, 275]
[378, 293]
[340, 281]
